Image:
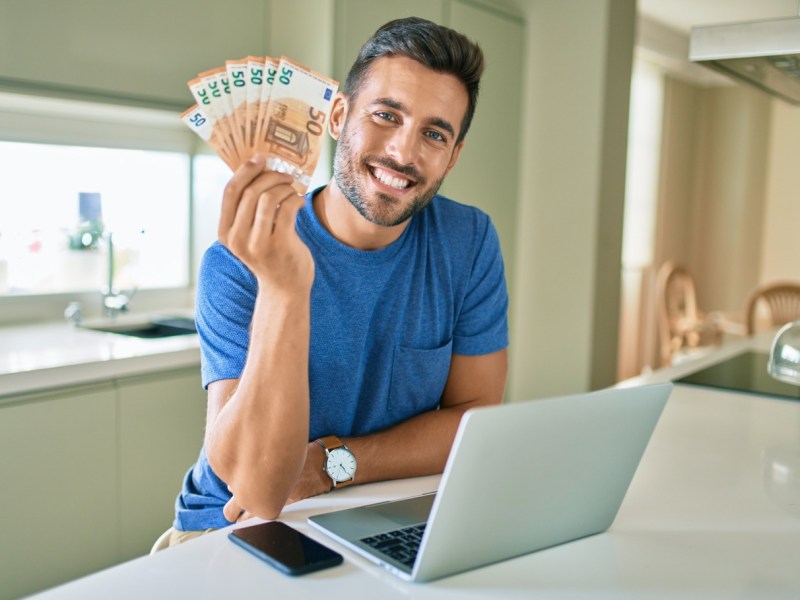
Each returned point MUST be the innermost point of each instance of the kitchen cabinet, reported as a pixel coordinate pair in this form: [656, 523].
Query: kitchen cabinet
[487, 172]
[144, 50]
[161, 427]
[90, 473]
[58, 504]
[357, 20]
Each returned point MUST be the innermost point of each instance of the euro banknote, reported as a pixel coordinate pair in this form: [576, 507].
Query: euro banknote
[260, 105]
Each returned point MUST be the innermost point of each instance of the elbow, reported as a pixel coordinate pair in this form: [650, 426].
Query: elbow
[261, 494]
[223, 468]
[259, 486]
[254, 500]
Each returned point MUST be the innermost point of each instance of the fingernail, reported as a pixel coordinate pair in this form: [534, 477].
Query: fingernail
[254, 160]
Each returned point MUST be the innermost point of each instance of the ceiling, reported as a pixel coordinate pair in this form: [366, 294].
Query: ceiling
[684, 14]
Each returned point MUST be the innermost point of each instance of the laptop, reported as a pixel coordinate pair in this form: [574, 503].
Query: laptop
[520, 477]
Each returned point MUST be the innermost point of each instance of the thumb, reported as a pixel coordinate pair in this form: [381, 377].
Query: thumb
[232, 510]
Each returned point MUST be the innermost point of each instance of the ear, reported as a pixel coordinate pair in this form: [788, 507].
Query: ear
[454, 157]
[338, 115]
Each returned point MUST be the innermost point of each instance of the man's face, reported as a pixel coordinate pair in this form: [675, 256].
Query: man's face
[397, 138]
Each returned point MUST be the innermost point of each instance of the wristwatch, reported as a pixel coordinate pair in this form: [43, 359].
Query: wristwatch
[340, 464]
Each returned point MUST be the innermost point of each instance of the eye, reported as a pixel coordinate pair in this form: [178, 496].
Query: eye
[435, 136]
[385, 116]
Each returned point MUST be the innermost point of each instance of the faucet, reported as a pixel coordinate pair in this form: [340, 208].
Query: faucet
[114, 302]
[73, 314]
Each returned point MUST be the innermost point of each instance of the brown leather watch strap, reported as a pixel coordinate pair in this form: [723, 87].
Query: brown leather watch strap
[329, 442]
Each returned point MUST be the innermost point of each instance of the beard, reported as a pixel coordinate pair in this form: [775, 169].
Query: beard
[383, 209]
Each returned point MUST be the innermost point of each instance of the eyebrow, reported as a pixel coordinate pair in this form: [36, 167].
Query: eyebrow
[435, 121]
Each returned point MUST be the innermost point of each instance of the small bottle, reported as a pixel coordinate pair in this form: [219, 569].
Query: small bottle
[90, 222]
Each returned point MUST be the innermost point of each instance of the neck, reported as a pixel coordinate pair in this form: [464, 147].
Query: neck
[346, 224]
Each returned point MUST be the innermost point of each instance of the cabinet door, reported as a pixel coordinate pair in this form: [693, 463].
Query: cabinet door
[487, 171]
[145, 49]
[58, 474]
[162, 421]
[357, 20]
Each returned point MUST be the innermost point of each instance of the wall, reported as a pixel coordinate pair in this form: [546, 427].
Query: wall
[727, 199]
[730, 192]
[780, 255]
[680, 126]
[564, 220]
[578, 59]
[711, 195]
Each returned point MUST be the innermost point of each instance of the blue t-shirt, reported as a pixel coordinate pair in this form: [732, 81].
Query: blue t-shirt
[384, 325]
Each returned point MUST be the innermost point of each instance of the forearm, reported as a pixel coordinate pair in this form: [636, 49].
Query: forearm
[257, 441]
[419, 446]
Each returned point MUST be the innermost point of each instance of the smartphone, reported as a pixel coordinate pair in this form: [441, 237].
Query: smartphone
[285, 548]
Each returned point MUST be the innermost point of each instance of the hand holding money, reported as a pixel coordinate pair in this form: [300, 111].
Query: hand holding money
[257, 224]
[278, 109]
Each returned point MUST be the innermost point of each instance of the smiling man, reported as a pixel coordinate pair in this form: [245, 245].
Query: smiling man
[344, 334]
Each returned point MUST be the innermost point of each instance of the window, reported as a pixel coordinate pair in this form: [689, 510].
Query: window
[63, 205]
[74, 175]
[637, 314]
[80, 178]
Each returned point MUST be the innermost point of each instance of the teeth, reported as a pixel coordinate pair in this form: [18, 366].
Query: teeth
[387, 179]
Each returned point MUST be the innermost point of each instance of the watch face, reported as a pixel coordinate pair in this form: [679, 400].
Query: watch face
[341, 465]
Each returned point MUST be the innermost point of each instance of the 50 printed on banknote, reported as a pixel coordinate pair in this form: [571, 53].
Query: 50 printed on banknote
[255, 105]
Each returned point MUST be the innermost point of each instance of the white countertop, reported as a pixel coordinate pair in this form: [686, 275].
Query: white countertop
[36, 357]
[713, 512]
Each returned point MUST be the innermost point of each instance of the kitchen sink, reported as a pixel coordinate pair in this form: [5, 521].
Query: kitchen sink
[154, 328]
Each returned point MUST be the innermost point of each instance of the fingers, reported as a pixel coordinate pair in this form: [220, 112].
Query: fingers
[234, 189]
[269, 208]
[244, 516]
[257, 225]
[286, 213]
[232, 511]
[243, 195]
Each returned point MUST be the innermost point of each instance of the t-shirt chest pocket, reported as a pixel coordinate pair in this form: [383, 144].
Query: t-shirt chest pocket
[418, 379]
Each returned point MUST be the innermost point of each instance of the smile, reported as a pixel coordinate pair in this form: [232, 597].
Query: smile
[389, 179]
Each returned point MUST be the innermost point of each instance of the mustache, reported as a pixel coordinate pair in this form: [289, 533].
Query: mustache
[409, 171]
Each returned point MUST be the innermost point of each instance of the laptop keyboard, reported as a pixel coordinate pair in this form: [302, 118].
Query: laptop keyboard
[401, 544]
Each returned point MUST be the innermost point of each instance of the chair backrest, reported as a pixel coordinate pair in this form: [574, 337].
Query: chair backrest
[677, 307]
[771, 305]
[162, 543]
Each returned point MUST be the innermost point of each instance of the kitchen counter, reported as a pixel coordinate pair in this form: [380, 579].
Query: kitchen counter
[712, 512]
[100, 417]
[50, 355]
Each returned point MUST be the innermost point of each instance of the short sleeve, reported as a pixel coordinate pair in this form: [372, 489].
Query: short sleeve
[482, 324]
[226, 293]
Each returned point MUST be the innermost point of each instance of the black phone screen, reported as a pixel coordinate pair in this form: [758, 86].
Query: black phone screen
[284, 548]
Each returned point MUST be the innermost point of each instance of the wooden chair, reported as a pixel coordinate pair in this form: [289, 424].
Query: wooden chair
[772, 305]
[162, 543]
[681, 324]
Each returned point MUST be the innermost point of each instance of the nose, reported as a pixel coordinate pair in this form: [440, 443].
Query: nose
[403, 146]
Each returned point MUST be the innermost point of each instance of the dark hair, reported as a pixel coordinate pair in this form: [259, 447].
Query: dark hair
[435, 46]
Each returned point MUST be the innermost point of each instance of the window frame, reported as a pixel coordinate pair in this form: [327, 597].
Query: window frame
[58, 121]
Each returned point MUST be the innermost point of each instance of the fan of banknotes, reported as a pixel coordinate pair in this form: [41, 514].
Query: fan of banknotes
[255, 105]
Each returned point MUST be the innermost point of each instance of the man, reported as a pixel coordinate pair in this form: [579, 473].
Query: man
[344, 334]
